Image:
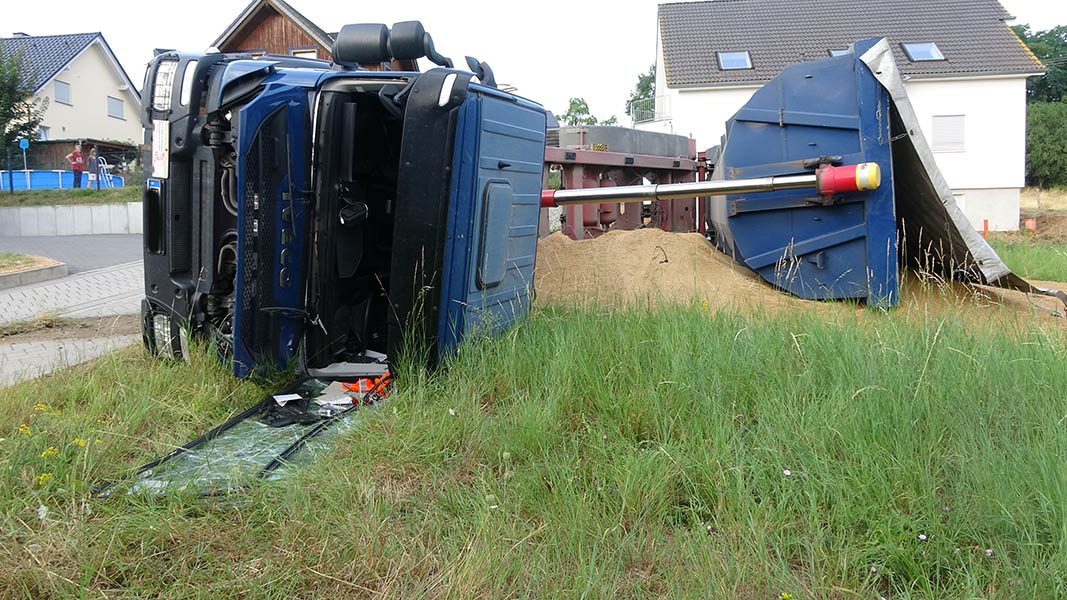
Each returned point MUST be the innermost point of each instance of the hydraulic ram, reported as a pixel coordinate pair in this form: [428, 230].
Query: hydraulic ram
[827, 180]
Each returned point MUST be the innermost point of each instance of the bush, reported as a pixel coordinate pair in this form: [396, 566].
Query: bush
[1046, 144]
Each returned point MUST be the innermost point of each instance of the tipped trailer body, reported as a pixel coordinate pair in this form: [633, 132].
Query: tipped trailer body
[765, 208]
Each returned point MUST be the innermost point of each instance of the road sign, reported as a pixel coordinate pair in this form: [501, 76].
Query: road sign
[24, 144]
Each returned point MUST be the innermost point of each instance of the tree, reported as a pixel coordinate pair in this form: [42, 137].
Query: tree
[20, 111]
[645, 88]
[1051, 47]
[1046, 144]
[578, 114]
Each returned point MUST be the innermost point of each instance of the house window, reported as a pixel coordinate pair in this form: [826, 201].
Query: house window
[838, 51]
[115, 108]
[948, 133]
[304, 52]
[43, 133]
[922, 51]
[62, 92]
[729, 61]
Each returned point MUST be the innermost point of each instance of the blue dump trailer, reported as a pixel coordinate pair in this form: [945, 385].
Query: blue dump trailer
[316, 215]
[768, 208]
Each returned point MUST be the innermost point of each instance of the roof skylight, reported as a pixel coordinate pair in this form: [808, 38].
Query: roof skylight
[922, 51]
[730, 61]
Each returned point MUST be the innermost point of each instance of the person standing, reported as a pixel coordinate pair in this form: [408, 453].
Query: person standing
[94, 169]
[77, 164]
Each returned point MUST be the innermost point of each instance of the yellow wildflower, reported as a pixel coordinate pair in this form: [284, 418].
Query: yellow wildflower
[43, 478]
[24, 429]
[81, 441]
[54, 413]
[98, 441]
[50, 451]
[40, 406]
[102, 421]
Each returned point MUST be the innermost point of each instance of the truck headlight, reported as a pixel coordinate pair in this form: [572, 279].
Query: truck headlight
[164, 88]
[161, 333]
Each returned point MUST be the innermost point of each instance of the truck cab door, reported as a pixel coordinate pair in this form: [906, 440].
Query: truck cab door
[272, 176]
[487, 279]
[468, 201]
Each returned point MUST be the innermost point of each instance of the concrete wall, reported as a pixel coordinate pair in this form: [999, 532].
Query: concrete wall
[92, 79]
[78, 219]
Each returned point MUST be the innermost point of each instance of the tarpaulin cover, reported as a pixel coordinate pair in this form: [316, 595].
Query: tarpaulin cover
[935, 233]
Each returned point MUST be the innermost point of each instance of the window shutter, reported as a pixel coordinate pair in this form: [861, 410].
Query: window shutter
[948, 133]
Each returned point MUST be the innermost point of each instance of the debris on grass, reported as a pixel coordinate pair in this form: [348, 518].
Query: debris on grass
[41, 321]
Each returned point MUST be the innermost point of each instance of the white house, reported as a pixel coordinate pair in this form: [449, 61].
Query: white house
[89, 93]
[965, 70]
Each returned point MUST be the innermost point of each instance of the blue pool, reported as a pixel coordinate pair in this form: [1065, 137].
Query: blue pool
[49, 180]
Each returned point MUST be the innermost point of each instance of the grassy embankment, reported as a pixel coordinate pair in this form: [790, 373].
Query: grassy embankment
[131, 192]
[674, 453]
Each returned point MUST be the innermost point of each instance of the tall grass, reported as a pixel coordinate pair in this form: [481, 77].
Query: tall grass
[623, 455]
[1031, 259]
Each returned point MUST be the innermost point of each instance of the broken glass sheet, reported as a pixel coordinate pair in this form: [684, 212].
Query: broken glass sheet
[236, 457]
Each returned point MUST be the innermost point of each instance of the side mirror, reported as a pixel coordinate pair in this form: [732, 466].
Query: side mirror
[482, 70]
[361, 43]
[408, 40]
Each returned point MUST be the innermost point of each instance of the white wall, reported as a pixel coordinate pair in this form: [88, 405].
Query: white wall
[994, 133]
[91, 81]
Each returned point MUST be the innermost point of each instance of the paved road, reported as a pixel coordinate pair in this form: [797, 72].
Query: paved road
[80, 252]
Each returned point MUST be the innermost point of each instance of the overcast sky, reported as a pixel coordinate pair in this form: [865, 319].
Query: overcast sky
[551, 50]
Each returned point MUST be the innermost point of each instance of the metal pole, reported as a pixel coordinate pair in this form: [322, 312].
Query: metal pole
[10, 174]
[828, 180]
[25, 169]
[670, 191]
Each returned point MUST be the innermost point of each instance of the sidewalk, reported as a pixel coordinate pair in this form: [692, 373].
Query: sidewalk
[103, 292]
[114, 290]
[33, 359]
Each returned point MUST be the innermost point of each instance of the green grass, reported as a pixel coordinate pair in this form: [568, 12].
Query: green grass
[131, 192]
[1032, 259]
[624, 455]
[13, 261]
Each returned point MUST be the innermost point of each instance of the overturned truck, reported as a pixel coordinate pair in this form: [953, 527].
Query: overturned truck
[316, 214]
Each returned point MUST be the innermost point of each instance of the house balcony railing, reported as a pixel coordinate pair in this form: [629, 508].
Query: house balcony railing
[651, 109]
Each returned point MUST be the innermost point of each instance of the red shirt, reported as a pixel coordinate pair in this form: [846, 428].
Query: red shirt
[77, 161]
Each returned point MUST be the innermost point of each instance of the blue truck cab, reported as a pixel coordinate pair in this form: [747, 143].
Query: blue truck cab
[323, 215]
